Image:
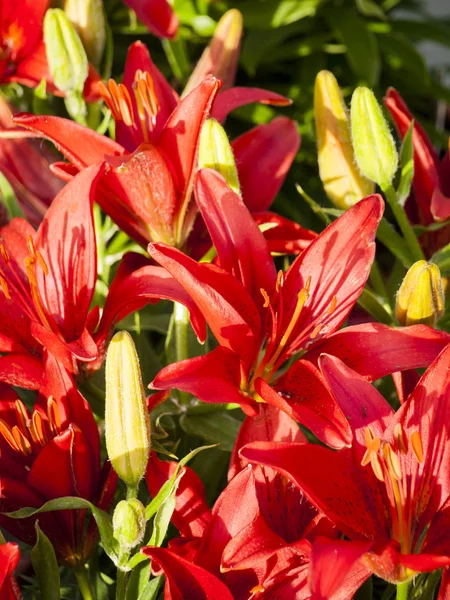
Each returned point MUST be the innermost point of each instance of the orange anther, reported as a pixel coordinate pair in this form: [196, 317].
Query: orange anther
[280, 280]
[266, 297]
[6, 432]
[4, 253]
[53, 416]
[21, 416]
[31, 248]
[376, 466]
[4, 286]
[37, 429]
[22, 442]
[392, 462]
[316, 331]
[368, 436]
[332, 306]
[417, 446]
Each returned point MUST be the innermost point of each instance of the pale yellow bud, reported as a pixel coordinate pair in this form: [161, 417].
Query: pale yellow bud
[420, 298]
[340, 175]
[88, 18]
[127, 423]
[215, 152]
[129, 523]
[374, 146]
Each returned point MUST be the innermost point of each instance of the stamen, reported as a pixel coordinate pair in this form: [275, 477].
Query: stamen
[393, 464]
[258, 589]
[368, 436]
[22, 442]
[266, 298]
[316, 331]
[416, 443]
[280, 280]
[37, 429]
[376, 466]
[400, 438]
[118, 100]
[22, 416]
[53, 416]
[6, 432]
[4, 253]
[301, 299]
[42, 263]
[332, 306]
[31, 248]
[4, 286]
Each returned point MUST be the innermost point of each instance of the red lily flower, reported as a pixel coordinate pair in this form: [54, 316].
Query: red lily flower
[249, 308]
[259, 551]
[392, 487]
[157, 132]
[51, 453]
[23, 164]
[48, 279]
[157, 15]
[9, 558]
[431, 176]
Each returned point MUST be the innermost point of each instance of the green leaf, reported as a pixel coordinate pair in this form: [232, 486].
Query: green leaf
[9, 199]
[45, 566]
[363, 53]
[442, 260]
[164, 514]
[150, 592]
[403, 58]
[216, 427]
[138, 580]
[423, 30]
[261, 14]
[407, 166]
[368, 8]
[103, 520]
[370, 303]
[394, 242]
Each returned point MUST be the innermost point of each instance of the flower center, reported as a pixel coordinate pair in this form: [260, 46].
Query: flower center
[387, 462]
[281, 342]
[30, 435]
[119, 102]
[12, 285]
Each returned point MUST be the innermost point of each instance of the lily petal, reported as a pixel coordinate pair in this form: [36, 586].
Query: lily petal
[236, 97]
[157, 15]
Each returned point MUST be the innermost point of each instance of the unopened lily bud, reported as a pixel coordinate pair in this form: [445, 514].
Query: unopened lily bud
[221, 55]
[343, 183]
[127, 423]
[88, 18]
[420, 298]
[215, 152]
[373, 144]
[129, 523]
[66, 56]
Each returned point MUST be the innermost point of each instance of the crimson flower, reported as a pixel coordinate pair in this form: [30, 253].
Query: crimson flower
[261, 319]
[51, 453]
[9, 558]
[158, 133]
[431, 176]
[391, 488]
[48, 278]
[157, 15]
[263, 550]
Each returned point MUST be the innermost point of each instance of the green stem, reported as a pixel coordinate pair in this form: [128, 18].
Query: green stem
[376, 279]
[181, 325]
[402, 590]
[404, 224]
[84, 586]
[121, 584]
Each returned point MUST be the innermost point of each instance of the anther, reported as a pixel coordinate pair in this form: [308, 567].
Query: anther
[376, 466]
[392, 462]
[316, 331]
[4, 253]
[31, 248]
[4, 286]
[332, 306]
[21, 415]
[21, 441]
[280, 280]
[266, 297]
[6, 432]
[53, 416]
[416, 443]
[42, 262]
[118, 100]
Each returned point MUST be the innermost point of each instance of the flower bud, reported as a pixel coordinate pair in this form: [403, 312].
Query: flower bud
[127, 423]
[129, 523]
[215, 152]
[88, 18]
[343, 183]
[221, 55]
[373, 144]
[66, 56]
[420, 298]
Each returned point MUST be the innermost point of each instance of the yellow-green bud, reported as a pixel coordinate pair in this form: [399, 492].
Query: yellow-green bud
[374, 146]
[129, 523]
[215, 152]
[88, 18]
[420, 298]
[66, 56]
[342, 181]
[127, 423]
[221, 55]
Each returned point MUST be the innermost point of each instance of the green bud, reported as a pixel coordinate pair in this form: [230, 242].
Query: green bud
[127, 423]
[66, 56]
[215, 152]
[129, 523]
[343, 183]
[373, 144]
[88, 18]
[420, 298]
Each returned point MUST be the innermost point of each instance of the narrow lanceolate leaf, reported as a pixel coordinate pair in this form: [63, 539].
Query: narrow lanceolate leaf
[45, 566]
[407, 166]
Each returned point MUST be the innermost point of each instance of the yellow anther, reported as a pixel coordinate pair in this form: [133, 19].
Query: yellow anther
[301, 299]
[416, 443]
[368, 436]
[376, 466]
[280, 280]
[392, 462]
[266, 297]
[31, 248]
